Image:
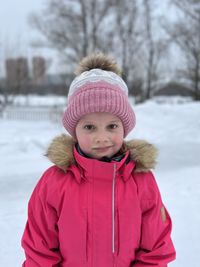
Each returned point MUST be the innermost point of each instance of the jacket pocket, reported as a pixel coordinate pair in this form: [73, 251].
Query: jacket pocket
[73, 235]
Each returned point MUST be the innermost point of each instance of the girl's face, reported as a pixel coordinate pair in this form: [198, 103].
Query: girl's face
[100, 134]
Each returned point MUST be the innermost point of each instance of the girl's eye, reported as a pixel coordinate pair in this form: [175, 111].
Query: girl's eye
[89, 127]
[112, 126]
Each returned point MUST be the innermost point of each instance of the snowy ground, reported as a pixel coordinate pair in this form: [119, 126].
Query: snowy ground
[173, 128]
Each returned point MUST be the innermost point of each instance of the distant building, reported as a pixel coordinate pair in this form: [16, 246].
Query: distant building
[38, 69]
[10, 71]
[19, 80]
[17, 72]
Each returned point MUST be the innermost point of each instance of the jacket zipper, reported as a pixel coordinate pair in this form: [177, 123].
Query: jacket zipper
[113, 209]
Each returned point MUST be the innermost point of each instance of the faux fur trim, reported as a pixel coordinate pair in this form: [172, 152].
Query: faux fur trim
[144, 154]
[60, 152]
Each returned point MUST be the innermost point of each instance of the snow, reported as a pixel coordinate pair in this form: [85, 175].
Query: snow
[172, 126]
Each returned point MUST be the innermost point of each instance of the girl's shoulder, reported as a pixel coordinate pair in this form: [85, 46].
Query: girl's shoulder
[52, 181]
[52, 176]
[147, 189]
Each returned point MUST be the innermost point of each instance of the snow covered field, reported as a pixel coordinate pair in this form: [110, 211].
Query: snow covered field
[173, 128]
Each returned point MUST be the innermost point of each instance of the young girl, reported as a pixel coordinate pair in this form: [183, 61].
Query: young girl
[99, 205]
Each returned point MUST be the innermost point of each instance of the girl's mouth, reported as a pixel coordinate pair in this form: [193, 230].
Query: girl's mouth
[102, 149]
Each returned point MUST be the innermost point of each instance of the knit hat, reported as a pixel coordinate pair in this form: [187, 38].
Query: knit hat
[98, 88]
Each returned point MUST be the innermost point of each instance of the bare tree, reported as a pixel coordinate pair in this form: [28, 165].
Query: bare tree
[72, 27]
[186, 34]
[77, 28]
[154, 49]
[127, 35]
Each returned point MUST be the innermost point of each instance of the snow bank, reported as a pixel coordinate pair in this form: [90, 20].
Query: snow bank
[173, 128]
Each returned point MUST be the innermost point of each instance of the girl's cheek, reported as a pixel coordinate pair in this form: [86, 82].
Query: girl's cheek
[85, 141]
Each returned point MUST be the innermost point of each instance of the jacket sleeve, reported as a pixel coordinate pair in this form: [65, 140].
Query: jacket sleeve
[156, 247]
[40, 238]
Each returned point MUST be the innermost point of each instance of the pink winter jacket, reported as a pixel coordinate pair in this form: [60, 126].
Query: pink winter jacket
[88, 213]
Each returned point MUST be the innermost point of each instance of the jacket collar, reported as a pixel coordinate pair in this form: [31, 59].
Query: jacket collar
[118, 157]
[60, 152]
[90, 169]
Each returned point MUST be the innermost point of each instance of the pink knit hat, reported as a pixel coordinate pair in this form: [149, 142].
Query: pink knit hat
[98, 90]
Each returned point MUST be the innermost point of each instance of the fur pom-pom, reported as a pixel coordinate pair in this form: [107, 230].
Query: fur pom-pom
[98, 61]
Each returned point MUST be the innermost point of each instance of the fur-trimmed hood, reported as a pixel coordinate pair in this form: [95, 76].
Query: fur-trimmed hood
[60, 152]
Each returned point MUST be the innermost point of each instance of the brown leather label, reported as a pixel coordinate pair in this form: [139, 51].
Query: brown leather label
[163, 214]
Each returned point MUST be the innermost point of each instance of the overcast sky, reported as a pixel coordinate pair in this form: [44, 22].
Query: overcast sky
[13, 17]
[15, 32]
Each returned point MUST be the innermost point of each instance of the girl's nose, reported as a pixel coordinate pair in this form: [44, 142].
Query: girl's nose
[101, 138]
